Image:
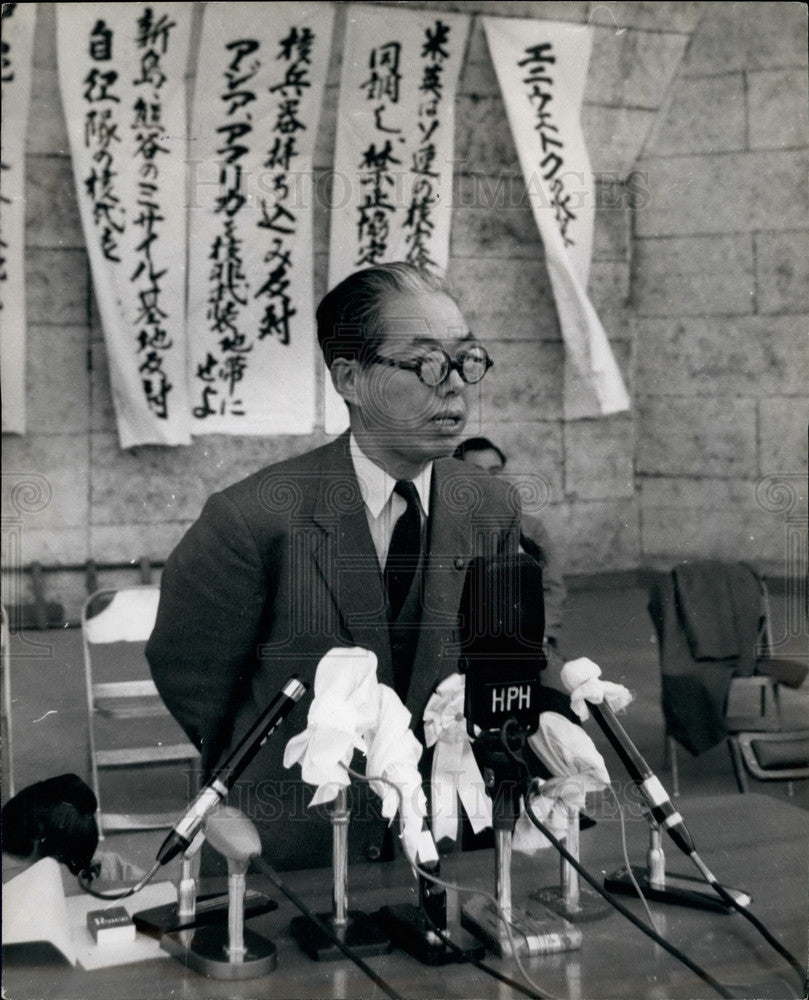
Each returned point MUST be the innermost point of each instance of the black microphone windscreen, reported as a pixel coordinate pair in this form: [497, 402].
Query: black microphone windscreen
[501, 627]
[502, 612]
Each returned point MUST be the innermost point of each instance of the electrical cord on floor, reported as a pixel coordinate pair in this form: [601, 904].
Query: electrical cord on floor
[266, 869]
[679, 955]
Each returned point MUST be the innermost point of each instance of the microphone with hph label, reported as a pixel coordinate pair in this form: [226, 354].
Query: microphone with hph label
[502, 627]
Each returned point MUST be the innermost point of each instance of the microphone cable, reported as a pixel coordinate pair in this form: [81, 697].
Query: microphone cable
[535, 992]
[670, 820]
[86, 876]
[266, 869]
[728, 898]
[214, 791]
[627, 862]
[672, 949]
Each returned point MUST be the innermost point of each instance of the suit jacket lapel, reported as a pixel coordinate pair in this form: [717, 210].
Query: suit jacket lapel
[450, 549]
[347, 559]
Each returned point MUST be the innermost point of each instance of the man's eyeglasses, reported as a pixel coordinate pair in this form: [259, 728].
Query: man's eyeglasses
[434, 367]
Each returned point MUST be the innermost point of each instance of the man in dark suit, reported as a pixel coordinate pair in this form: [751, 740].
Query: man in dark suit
[298, 558]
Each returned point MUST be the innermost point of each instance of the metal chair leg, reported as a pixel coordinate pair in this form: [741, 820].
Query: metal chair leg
[738, 764]
[671, 758]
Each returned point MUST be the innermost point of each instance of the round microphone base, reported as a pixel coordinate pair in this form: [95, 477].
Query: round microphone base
[205, 950]
[681, 890]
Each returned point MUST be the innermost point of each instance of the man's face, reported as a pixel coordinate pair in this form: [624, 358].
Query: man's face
[486, 459]
[401, 417]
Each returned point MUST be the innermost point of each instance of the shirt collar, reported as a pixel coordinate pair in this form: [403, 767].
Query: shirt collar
[376, 485]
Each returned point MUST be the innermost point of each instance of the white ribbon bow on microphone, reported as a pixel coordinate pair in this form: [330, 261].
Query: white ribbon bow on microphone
[582, 678]
[394, 755]
[351, 709]
[571, 756]
[344, 710]
[455, 773]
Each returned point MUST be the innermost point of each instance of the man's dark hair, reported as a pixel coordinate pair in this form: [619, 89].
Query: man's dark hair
[348, 317]
[477, 444]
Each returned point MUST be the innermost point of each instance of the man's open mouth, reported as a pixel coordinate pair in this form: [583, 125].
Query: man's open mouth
[449, 420]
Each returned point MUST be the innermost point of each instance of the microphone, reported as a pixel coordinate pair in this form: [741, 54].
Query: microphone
[502, 626]
[650, 786]
[223, 778]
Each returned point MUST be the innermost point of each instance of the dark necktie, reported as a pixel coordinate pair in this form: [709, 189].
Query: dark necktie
[405, 547]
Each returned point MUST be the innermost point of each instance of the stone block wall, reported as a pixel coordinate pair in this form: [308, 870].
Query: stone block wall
[720, 293]
[695, 116]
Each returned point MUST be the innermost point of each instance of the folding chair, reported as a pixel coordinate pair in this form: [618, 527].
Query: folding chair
[718, 680]
[113, 622]
[775, 756]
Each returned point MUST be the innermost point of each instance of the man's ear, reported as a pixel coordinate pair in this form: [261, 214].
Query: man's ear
[343, 373]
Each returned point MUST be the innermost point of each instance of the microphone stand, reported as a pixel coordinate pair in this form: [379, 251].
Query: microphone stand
[679, 889]
[355, 929]
[570, 899]
[186, 836]
[532, 933]
[189, 911]
[413, 928]
[682, 890]
[213, 950]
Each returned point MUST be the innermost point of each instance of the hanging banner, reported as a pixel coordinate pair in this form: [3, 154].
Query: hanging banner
[17, 47]
[122, 74]
[541, 67]
[393, 169]
[259, 89]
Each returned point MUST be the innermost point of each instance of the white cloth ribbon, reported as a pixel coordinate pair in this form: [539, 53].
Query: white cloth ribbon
[394, 755]
[352, 710]
[455, 772]
[344, 710]
[582, 678]
[577, 768]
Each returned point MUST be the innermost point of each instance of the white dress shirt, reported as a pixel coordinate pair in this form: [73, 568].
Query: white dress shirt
[383, 507]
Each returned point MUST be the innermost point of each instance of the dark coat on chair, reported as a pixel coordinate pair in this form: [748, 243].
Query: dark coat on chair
[708, 616]
[279, 569]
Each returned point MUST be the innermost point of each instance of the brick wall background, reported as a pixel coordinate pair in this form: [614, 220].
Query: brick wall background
[697, 126]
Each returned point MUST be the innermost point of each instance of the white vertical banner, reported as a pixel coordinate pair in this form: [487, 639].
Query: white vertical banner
[541, 67]
[393, 169]
[122, 71]
[251, 327]
[17, 34]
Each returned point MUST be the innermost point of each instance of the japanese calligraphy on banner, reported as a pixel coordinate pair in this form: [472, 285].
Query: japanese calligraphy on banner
[15, 62]
[542, 69]
[122, 73]
[262, 70]
[392, 184]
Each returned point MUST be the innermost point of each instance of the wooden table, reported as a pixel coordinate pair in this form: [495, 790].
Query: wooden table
[752, 842]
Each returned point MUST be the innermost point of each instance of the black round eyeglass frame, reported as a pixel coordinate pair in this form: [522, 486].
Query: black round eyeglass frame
[448, 364]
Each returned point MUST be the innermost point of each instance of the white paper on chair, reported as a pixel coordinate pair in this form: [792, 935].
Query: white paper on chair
[35, 910]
